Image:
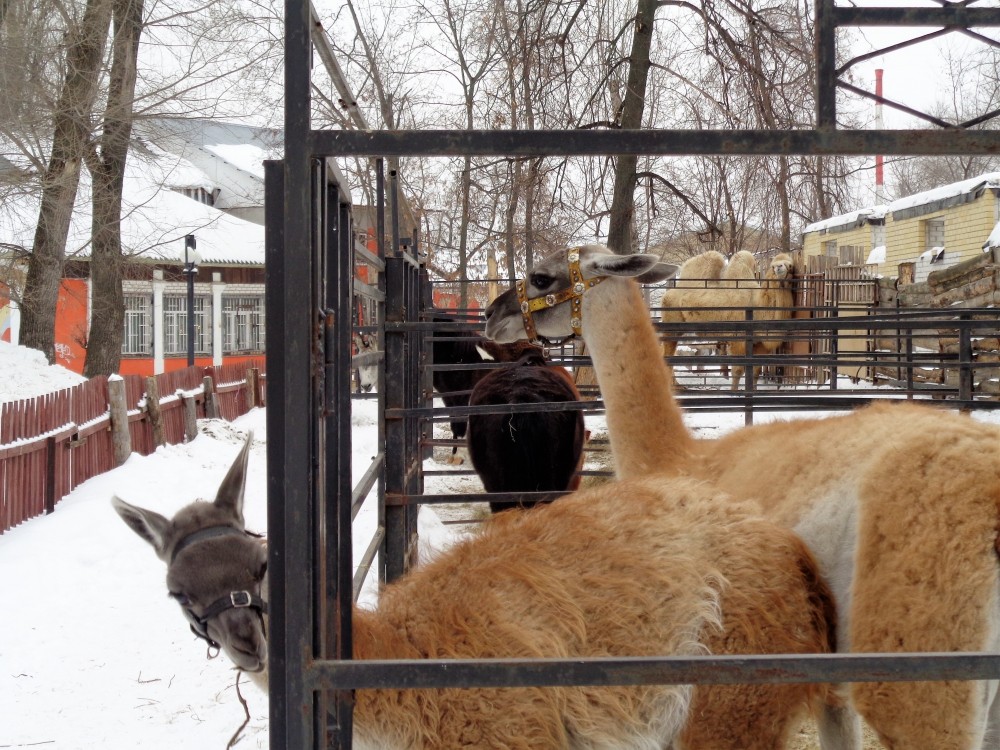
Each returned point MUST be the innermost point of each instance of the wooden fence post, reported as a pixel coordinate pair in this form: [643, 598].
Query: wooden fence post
[50, 475]
[121, 439]
[190, 417]
[258, 388]
[211, 405]
[251, 388]
[153, 409]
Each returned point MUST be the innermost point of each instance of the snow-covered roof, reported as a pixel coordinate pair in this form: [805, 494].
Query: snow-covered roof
[232, 155]
[155, 218]
[849, 219]
[952, 190]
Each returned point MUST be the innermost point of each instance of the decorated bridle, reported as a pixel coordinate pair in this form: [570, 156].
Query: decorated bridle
[232, 600]
[578, 285]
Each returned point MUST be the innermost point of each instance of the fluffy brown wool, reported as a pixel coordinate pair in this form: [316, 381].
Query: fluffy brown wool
[899, 503]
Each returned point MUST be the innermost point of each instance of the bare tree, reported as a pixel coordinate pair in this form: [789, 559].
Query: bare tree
[84, 58]
[107, 166]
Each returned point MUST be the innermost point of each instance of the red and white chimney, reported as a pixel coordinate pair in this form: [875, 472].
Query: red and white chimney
[879, 165]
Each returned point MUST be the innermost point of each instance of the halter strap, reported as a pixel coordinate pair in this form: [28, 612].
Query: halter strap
[233, 600]
[573, 293]
[209, 532]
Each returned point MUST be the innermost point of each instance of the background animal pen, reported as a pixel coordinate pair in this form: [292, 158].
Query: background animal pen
[51, 444]
[313, 499]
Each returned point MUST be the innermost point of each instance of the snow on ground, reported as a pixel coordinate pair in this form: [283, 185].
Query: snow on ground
[25, 373]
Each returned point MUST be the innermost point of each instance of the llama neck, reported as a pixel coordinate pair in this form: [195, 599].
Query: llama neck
[645, 423]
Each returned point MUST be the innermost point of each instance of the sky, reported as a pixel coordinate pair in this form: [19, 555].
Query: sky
[917, 75]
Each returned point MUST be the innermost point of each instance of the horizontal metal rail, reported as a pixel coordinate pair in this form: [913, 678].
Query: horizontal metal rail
[653, 670]
[536, 143]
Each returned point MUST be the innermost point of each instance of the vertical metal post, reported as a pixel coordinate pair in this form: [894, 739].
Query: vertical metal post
[909, 362]
[826, 65]
[335, 534]
[835, 339]
[296, 464]
[190, 269]
[964, 363]
[389, 374]
[396, 466]
[274, 177]
[748, 370]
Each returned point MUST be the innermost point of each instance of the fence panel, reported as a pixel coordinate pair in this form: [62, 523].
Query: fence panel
[93, 449]
[52, 443]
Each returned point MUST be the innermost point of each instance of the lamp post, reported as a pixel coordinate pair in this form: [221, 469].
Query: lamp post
[190, 269]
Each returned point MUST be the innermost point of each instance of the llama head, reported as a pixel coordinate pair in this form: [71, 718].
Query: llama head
[552, 283]
[215, 569]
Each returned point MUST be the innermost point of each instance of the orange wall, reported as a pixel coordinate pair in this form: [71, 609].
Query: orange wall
[5, 330]
[71, 324]
[144, 365]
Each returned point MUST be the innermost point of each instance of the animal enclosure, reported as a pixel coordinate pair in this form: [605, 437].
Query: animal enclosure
[310, 301]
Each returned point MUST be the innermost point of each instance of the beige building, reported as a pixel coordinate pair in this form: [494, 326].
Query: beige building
[933, 229]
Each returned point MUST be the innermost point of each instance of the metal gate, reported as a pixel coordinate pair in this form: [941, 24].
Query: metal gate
[311, 497]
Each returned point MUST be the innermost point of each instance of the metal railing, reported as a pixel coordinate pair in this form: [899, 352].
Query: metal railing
[310, 490]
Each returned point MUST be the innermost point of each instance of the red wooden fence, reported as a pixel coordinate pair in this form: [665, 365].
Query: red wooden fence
[51, 444]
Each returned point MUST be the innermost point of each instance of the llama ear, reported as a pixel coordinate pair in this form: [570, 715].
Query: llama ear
[660, 272]
[148, 524]
[230, 495]
[639, 264]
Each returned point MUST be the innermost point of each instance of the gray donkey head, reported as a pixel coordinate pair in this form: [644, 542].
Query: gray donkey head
[215, 569]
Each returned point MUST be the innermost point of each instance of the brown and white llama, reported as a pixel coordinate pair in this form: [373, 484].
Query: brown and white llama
[647, 567]
[900, 503]
[537, 451]
[728, 299]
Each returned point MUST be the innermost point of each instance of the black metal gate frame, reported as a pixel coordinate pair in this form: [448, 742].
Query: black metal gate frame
[309, 271]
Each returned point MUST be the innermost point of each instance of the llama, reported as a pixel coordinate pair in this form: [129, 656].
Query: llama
[455, 386]
[898, 502]
[367, 377]
[647, 567]
[771, 299]
[531, 451]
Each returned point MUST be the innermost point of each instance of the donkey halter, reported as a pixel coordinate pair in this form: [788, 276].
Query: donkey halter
[233, 600]
[578, 285]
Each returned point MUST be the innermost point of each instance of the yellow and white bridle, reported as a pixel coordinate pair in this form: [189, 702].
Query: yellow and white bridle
[574, 293]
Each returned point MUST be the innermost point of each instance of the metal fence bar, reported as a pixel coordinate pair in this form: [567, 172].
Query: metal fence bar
[657, 670]
[662, 142]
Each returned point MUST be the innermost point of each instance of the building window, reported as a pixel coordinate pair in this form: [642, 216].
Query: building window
[138, 337]
[830, 248]
[175, 324]
[199, 194]
[878, 235]
[242, 324]
[934, 233]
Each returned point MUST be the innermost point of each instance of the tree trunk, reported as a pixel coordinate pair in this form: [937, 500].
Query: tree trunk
[62, 177]
[104, 344]
[462, 271]
[620, 238]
